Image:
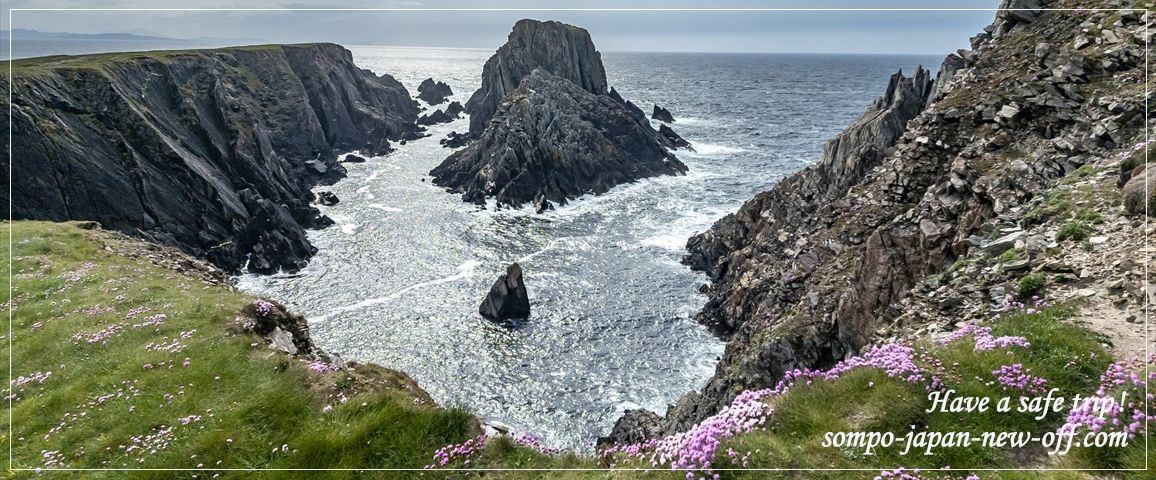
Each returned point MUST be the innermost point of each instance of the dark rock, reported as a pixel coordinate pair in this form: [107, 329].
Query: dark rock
[351, 158]
[454, 109]
[634, 426]
[662, 114]
[669, 139]
[541, 204]
[438, 116]
[1140, 184]
[161, 146]
[507, 298]
[456, 140]
[563, 50]
[433, 93]
[327, 198]
[554, 138]
[323, 222]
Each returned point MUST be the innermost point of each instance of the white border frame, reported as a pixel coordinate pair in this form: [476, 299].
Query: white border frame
[994, 10]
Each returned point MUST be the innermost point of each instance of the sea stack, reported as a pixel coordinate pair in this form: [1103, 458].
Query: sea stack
[546, 127]
[662, 114]
[433, 93]
[507, 298]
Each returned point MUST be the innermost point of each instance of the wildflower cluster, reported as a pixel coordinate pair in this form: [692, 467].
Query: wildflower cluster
[984, 340]
[905, 474]
[1020, 378]
[463, 451]
[534, 442]
[322, 367]
[695, 449]
[1100, 412]
[263, 307]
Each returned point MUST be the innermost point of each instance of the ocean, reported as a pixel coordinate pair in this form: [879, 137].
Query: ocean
[399, 278]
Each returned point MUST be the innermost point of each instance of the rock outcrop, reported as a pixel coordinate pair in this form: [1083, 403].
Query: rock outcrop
[545, 129]
[211, 151]
[507, 298]
[553, 139]
[433, 93]
[563, 50]
[668, 138]
[814, 269]
[662, 114]
[351, 158]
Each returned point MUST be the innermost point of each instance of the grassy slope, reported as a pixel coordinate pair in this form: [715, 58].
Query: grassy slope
[250, 400]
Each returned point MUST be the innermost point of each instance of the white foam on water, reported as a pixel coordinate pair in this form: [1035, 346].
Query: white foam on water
[710, 150]
[384, 208]
[465, 270]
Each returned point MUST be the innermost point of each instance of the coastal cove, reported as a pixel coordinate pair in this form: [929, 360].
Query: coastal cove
[397, 280]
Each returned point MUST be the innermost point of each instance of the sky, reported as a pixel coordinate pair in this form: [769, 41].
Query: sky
[921, 32]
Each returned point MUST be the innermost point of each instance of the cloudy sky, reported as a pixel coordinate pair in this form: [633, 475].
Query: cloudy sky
[930, 32]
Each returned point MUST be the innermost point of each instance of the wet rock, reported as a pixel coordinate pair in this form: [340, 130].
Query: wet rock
[327, 198]
[507, 298]
[541, 204]
[432, 92]
[672, 140]
[438, 116]
[455, 140]
[454, 109]
[323, 222]
[351, 158]
[662, 114]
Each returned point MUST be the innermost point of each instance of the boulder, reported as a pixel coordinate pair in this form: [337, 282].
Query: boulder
[327, 198]
[507, 298]
[635, 426]
[454, 109]
[662, 114]
[563, 50]
[432, 92]
[351, 158]
[438, 116]
[1135, 200]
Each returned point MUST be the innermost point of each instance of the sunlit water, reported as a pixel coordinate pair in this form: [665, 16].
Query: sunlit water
[398, 280]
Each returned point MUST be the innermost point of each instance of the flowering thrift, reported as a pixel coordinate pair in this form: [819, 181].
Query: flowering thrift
[1018, 377]
[263, 307]
[984, 340]
[1101, 411]
[322, 367]
[694, 449]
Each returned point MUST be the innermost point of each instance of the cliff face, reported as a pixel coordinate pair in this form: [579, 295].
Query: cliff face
[546, 129]
[212, 151]
[561, 49]
[808, 272]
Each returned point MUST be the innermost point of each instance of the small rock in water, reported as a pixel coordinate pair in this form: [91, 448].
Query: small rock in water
[327, 198]
[351, 158]
[507, 298]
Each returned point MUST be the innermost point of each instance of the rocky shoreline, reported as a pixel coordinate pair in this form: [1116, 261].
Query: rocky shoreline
[854, 249]
[212, 151]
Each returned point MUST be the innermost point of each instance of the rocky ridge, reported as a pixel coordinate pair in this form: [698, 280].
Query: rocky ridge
[212, 151]
[936, 172]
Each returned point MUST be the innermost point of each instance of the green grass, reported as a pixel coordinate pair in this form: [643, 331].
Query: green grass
[1031, 285]
[1068, 355]
[251, 401]
[1076, 231]
[1009, 255]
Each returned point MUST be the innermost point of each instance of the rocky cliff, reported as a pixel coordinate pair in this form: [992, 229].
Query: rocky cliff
[212, 151]
[546, 129]
[811, 271]
[561, 49]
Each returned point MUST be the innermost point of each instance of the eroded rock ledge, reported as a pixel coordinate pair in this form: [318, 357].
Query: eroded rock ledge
[212, 151]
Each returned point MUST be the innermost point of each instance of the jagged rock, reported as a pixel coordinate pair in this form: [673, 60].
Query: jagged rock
[507, 298]
[563, 50]
[438, 116]
[1006, 242]
[327, 198]
[162, 145]
[634, 426]
[541, 204]
[351, 158]
[432, 92]
[552, 137]
[454, 109]
[662, 114]
[323, 222]
[455, 140]
[671, 140]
